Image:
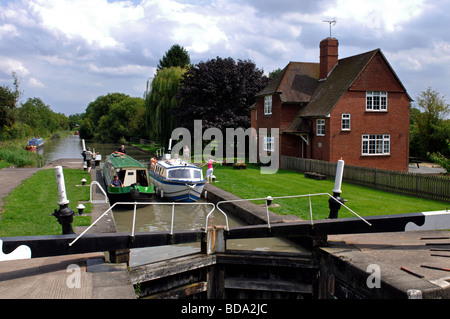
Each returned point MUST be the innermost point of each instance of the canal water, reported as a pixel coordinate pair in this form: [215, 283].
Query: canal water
[158, 217]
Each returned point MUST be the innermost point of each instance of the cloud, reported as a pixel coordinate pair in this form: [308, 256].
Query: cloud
[9, 65]
[35, 83]
[71, 51]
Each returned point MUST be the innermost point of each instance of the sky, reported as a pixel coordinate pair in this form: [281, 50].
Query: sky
[69, 52]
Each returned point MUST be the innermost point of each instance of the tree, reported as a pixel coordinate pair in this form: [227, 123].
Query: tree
[161, 102]
[429, 129]
[7, 107]
[40, 118]
[115, 125]
[440, 159]
[8, 104]
[95, 110]
[176, 56]
[220, 92]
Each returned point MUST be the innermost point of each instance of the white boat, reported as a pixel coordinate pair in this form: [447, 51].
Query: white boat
[177, 180]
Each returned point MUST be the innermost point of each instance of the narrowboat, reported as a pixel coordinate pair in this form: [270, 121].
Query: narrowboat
[177, 180]
[34, 143]
[136, 185]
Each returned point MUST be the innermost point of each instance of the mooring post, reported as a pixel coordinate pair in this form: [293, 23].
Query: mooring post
[64, 214]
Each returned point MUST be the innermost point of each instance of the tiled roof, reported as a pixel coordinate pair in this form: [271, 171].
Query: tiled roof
[295, 83]
[298, 83]
[328, 92]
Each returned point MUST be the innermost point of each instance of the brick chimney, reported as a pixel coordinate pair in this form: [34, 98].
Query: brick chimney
[328, 56]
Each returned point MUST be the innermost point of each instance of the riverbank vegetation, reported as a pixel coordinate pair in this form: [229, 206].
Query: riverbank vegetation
[18, 123]
[13, 152]
[27, 209]
[250, 183]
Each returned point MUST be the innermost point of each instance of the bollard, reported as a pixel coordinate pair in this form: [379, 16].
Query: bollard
[64, 215]
[80, 208]
[334, 204]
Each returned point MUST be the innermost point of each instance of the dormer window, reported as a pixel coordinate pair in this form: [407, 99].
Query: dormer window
[268, 105]
[376, 101]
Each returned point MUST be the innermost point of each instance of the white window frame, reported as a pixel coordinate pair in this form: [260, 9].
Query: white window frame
[320, 127]
[376, 101]
[345, 122]
[268, 145]
[376, 144]
[268, 105]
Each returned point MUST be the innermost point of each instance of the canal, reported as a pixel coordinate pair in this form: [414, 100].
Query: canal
[158, 217]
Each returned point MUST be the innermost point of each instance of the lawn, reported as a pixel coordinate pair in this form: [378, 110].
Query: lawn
[27, 209]
[250, 183]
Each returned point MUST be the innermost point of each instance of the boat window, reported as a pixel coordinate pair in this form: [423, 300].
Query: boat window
[184, 173]
[197, 174]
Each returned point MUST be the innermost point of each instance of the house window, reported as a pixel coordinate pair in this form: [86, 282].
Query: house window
[376, 101]
[345, 122]
[268, 105]
[376, 144]
[320, 127]
[268, 143]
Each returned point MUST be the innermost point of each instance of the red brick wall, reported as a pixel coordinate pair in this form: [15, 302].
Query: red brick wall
[377, 76]
[395, 122]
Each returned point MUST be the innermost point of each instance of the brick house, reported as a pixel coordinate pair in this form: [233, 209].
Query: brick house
[354, 108]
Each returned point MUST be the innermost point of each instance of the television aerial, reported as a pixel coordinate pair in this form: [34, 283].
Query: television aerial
[330, 22]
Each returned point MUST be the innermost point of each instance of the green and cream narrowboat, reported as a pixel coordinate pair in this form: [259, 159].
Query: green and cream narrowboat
[136, 185]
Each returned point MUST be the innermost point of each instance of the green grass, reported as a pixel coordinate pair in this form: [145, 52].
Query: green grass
[4, 164]
[19, 156]
[151, 148]
[27, 209]
[250, 183]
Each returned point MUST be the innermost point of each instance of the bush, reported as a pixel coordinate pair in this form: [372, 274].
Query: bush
[19, 157]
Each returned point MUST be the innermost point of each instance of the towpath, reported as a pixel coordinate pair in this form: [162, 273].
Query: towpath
[81, 276]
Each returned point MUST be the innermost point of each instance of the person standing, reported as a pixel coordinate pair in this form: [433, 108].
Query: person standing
[210, 169]
[89, 159]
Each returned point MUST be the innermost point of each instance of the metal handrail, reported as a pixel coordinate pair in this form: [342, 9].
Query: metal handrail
[134, 214]
[270, 198]
[101, 188]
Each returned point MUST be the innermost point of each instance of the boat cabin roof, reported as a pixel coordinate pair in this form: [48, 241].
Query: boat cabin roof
[176, 163]
[124, 161]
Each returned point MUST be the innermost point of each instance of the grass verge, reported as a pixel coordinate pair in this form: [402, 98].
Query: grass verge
[27, 209]
[250, 183]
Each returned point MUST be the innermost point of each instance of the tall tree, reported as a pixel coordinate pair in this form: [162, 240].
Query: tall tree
[8, 104]
[7, 107]
[220, 92]
[95, 110]
[176, 56]
[429, 127]
[161, 102]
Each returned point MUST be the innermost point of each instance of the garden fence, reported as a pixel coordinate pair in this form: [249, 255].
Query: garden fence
[420, 185]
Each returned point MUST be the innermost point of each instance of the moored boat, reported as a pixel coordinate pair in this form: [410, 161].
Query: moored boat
[136, 185]
[34, 143]
[177, 180]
